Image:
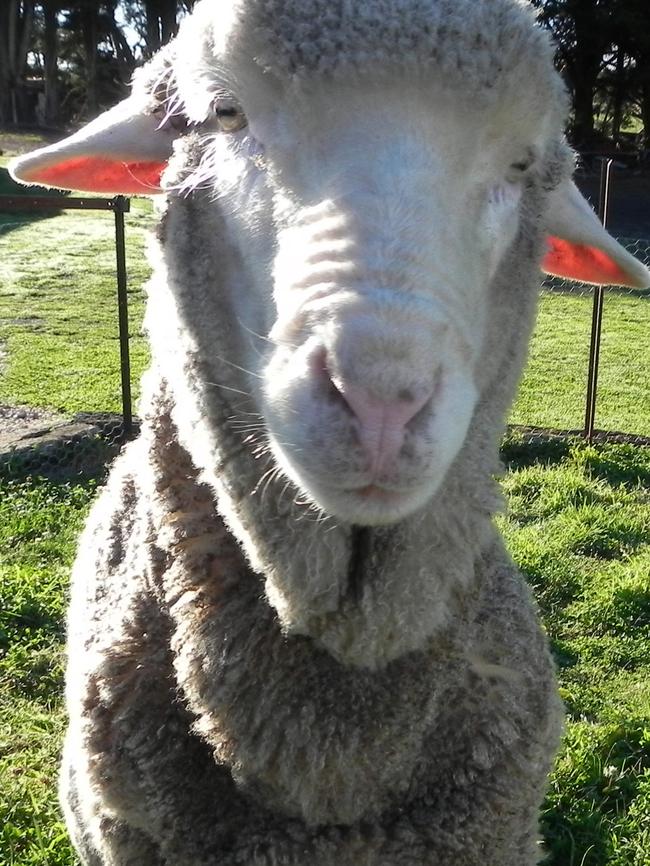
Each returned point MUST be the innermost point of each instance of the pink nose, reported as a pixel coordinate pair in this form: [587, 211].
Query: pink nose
[381, 423]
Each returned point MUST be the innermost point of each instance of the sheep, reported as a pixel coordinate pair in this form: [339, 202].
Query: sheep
[295, 636]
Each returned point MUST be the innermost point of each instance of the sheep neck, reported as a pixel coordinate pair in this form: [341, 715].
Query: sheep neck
[367, 596]
[263, 699]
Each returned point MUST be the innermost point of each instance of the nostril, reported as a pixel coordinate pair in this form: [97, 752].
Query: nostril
[381, 423]
[318, 362]
[322, 374]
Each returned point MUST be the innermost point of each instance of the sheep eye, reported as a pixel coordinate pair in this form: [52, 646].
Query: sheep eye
[522, 165]
[230, 117]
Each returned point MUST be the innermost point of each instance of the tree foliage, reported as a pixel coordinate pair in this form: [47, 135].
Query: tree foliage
[603, 51]
[62, 61]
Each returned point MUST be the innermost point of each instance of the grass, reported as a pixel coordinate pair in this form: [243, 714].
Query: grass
[15, 142]
[552, 393]
[39, 524]
[579, 528]
[58, 329]
[58, 308]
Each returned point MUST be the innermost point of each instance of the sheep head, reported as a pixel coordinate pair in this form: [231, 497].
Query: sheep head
[377, 174]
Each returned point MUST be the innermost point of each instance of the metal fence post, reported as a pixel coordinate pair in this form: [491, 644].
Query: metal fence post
[122, 206]
[597, 312]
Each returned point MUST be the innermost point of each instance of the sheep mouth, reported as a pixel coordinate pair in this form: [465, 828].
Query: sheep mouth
[371, 504]
[377, 492]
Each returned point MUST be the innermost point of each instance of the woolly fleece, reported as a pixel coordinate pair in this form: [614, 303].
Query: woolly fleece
[247, 688]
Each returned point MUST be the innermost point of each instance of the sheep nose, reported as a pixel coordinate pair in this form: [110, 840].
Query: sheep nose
[381, 423]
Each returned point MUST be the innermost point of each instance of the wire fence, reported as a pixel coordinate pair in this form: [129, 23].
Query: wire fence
[65, 346]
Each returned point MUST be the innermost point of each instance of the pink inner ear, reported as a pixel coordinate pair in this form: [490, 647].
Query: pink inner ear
[583, 263]
[95, 174]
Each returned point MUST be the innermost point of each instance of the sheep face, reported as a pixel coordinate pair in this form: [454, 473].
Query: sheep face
[372, 211]
[368, 251]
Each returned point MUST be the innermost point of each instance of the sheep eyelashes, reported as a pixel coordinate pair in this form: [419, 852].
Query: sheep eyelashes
[307, 646]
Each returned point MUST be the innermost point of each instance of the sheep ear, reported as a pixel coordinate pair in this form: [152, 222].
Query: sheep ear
[580, 249]
[124, 150]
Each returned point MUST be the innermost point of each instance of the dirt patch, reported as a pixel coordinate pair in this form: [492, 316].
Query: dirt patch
[39, 442]
[21, 425]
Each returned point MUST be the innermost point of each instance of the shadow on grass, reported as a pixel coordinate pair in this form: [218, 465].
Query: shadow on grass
[579, 840]
[14, 219]
[80, 459]
[612, 462]
[630, 610]
[518, 451]
[563, 655]
[623, 464]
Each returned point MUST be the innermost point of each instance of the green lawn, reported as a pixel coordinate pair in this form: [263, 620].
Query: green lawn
[39, 524]
[553, 390]
[58, 308]
[579, 526]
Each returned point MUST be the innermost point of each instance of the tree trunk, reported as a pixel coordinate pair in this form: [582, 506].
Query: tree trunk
[50, 58]
[618, 95]
[583, 109]
[12, 53]
[592, 37]
[4, 62]
[121, 47]
[169, 27]
[161, 22]
[153, 26]
[90, 30]
[15, 35]
[25, 36]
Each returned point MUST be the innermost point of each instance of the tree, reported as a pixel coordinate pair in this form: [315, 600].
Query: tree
[16, 25]
[634, 26]
[50, 60]
[155, 21]
[604, 55]
[62, 59]
[161, 22]
[583, 33]
[121, 48]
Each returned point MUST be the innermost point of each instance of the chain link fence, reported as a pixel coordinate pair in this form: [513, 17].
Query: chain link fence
[65, 380]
